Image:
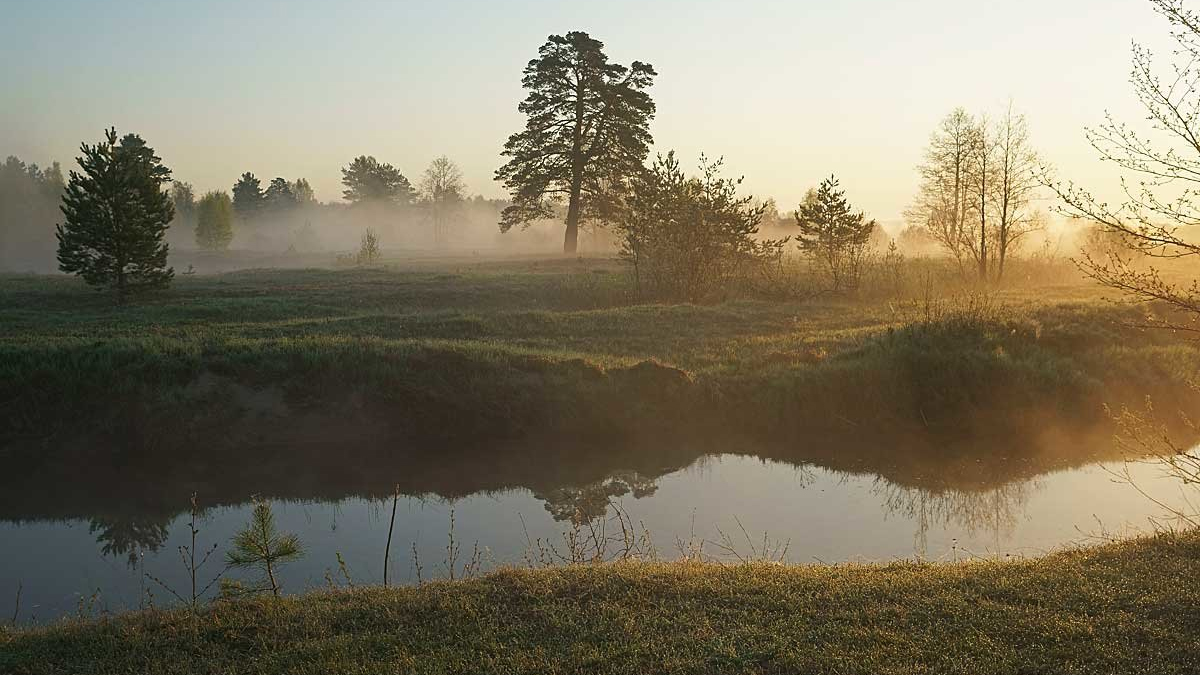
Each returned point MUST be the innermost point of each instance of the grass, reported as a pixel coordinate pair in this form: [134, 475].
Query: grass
[492, 350]
[498, 351]
[1126, 607]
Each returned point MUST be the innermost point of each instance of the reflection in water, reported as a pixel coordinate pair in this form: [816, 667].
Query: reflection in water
[128, 536]
[578, 505]
[832, 504]
[994, 512]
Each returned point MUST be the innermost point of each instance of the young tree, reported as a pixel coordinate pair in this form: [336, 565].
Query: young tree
[834, 235]
[586, 132]
[214, 221]
[260, 546]
[116, 214]
[367, 181]
[687, 237]
[368, 249]
[248, 197]
[442, 190]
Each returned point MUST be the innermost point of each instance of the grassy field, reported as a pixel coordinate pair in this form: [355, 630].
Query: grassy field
[501, 349]
[1128, 607]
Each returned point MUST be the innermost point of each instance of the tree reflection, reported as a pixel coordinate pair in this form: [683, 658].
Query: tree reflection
[128, 536]
[588, 502]
[995, 511]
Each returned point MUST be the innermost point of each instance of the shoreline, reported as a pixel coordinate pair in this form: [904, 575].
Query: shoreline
[1117, 607]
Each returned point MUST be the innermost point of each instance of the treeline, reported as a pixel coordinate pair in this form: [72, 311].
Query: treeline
[583, 156]
[29, 201]
[280, 216]
[438, 202]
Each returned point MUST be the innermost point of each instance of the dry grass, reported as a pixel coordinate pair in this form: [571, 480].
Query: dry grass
[1121, 608]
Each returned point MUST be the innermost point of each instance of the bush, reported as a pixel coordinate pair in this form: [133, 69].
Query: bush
[686, 238]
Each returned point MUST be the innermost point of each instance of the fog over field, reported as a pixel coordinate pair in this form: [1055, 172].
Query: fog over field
[624, 337]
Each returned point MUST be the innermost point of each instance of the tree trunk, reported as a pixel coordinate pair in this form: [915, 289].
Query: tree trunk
[122, 291]
[1001, 252]
[571, 241]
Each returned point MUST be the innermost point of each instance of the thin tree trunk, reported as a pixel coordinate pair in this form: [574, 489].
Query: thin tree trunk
[271, 578]
[387, 550]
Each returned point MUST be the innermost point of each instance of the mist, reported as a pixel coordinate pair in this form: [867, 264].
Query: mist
[899, 374]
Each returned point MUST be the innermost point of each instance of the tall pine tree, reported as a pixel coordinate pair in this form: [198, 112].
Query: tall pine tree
[116, 214]
[586, 129]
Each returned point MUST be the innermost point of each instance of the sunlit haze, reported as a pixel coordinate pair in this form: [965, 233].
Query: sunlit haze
[788, 92]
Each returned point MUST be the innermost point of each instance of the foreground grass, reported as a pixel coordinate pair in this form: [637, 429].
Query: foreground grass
[1128, 607]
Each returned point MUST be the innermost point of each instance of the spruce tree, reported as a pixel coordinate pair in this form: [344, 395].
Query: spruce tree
[214, 223]
[116, 214]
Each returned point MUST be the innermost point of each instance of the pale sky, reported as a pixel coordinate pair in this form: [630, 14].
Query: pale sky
[788, 92]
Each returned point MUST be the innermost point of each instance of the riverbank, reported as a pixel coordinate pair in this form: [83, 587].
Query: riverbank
[1124, 607]
[497, 352]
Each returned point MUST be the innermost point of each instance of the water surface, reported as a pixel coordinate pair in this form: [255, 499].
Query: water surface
[104, 561]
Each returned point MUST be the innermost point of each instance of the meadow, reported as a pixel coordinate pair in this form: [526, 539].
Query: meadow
[495, 350]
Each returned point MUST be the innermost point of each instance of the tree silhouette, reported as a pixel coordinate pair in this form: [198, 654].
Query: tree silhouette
[368, 181]
[279, 195]
[248, 197]
[442, 191]
[586, 131]
[116, 215]
[303, 192]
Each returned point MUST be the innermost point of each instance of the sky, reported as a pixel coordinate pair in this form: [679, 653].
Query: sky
[787, 92]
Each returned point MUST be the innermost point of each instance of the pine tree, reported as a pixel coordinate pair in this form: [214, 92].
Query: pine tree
[368, 181]
[833, 234]
[214, 223]
[586, 130]
[248, 197]
[116, 214]
[279, 195]
[260, 546]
